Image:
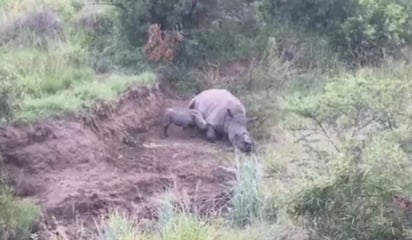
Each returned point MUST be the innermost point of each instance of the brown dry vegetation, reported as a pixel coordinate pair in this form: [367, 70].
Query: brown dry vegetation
[161, 45]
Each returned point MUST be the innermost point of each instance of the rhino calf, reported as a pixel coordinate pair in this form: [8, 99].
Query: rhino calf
[225, 115]
[185, 118]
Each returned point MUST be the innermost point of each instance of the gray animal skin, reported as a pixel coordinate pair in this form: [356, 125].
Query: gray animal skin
[185, 118]
[225, 115]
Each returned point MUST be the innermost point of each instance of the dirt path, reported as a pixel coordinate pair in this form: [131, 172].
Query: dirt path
[83, 166]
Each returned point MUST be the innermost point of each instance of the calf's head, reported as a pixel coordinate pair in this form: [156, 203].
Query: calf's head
[237, 131]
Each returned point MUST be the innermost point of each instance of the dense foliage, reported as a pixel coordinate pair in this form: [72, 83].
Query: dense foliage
[366, 118]
[8, 93]
[369, 29]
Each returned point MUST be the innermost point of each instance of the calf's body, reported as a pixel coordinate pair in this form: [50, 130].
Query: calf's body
[182, 117]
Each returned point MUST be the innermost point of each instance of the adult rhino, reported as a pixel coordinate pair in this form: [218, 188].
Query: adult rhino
[225, 116]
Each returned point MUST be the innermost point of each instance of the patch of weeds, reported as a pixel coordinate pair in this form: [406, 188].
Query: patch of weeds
[188, 227]
[176, 223]
[79, 96]
[357, 200]
[248, 198]
[9, 94]
[43, 73]
[119, 226]
[17, 216]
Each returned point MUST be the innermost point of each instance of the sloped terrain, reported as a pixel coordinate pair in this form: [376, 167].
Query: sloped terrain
[114, 156]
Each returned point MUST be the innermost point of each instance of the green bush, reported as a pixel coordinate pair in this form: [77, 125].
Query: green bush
[353, 106]
[212, 29]
[365, 29]
[377, 28]
[356, 201]
[9, 94]
[365, 115]
[16, 216]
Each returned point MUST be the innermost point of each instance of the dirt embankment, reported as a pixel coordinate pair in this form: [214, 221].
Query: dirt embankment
[115, 157]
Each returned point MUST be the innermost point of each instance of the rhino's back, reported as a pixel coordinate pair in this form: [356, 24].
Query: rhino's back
[213, 104]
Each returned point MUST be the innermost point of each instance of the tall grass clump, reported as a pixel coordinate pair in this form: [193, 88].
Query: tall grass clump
[45, 73]
[119, 226]
[248, 198]
[177, 223]
[186, 227]
[17, 216]
[9, 93]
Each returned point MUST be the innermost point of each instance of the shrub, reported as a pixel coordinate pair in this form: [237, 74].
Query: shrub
[368, 29]
[16, 216]
[356, 106]
[356, 202]
[9, 94]
[377, 28]
[32, 28]
[97, 19]
[365, 117]
[210, 28]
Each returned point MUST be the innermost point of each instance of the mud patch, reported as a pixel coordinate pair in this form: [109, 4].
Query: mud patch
[84, 166]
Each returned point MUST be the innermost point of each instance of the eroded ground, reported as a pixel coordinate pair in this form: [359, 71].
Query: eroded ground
[80, 167]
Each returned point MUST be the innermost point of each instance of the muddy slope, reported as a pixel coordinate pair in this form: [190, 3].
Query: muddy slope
[115, 157]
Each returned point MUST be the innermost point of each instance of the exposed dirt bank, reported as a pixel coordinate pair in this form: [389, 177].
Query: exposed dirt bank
[115, 157]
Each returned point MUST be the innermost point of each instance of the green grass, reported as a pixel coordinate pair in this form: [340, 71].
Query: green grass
[248, 196]
[16, 216]
[83, 94]
[59, 81]
[54, 74]
[58, 78]
[119, 226]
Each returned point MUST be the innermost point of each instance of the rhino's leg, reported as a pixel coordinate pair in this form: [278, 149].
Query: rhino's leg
[198, 119]
[211, 134]
[203, 126]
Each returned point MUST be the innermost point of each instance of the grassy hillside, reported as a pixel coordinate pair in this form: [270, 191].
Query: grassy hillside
[333, 103]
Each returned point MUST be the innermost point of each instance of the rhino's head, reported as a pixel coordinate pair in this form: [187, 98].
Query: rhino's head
[238, 134]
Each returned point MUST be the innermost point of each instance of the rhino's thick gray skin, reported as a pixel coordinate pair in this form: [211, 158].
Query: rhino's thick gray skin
[184, 118]
[225, 115]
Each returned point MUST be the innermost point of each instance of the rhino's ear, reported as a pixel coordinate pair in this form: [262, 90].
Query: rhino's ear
[229, 112]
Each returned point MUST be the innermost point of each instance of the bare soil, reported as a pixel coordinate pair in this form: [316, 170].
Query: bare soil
[113, 157]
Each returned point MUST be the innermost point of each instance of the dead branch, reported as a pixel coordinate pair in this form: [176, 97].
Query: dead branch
[325, 133]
